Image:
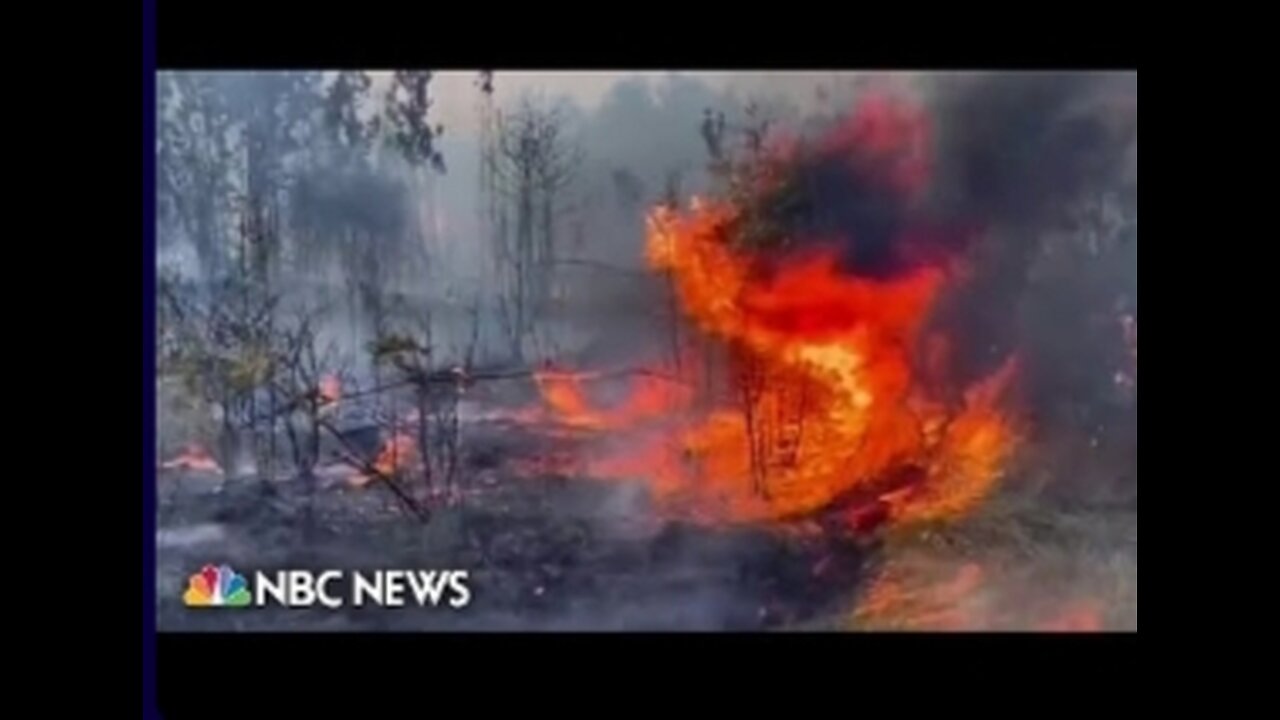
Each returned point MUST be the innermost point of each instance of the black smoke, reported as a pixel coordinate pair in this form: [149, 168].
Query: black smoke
[1016, 153]
[1012, 147]
[1011, 160]
[1007, 151]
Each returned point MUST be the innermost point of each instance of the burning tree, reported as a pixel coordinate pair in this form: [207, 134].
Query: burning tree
[744, 167]
[821, 310]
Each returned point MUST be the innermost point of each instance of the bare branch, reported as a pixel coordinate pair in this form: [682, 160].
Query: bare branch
[352, 456]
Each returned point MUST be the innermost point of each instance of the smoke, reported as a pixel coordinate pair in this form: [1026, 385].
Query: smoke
[1016, 154]
[984, 167]
[999, 155]
[360, 200]
[1012, 148]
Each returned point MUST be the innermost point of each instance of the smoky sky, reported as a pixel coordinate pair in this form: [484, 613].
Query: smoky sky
[1011, 147]
[1016, 152]
[1010, 155]
[1006, 151]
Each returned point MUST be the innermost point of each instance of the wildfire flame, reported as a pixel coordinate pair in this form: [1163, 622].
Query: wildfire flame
[565, 394]
[824, 402]
[397, 453]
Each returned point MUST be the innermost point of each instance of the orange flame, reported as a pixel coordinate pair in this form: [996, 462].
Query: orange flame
[564, 393]
[821, 405]
[828, 403]
[397, 452]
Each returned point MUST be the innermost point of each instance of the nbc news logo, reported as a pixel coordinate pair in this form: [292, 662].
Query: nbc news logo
[220, 586]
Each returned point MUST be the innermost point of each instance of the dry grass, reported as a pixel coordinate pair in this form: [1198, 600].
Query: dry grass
[1017, 565]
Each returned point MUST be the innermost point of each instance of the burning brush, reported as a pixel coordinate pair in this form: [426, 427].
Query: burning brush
[812, 288]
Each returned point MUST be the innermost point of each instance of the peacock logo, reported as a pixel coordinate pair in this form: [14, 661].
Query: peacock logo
[216, 587]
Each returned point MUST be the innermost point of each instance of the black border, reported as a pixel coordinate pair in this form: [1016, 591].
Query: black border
[181, 670]
[147, 347]
[258, 35]
[546, 672]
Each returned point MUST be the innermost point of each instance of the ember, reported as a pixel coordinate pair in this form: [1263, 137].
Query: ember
[397, 453]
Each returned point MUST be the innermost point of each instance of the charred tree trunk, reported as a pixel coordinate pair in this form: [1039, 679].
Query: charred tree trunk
[424, 434]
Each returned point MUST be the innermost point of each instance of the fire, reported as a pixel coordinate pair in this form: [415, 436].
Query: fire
[397, 453]
[822, 403]
[829, 400]
[565, 393]
[193, 457]
[890, 134]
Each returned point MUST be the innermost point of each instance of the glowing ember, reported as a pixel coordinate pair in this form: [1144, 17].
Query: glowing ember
[193, 458]
[397, 453]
